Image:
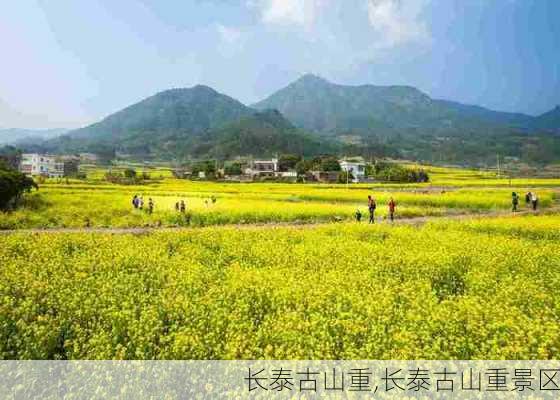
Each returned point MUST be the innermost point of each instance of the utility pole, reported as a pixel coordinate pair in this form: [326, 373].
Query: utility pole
[498, 164]
[347, 173]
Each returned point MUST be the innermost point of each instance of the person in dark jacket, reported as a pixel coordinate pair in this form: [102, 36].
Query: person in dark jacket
[527, 199]
[358, 215]
[514, 201]
[371, 207]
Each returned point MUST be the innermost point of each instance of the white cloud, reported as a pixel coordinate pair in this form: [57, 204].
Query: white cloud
[289, 12]
[398, 21]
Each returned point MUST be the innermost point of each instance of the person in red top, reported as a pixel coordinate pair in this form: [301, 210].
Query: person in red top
[392, 206]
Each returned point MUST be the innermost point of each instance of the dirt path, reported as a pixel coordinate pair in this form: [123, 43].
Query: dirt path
[298, 225]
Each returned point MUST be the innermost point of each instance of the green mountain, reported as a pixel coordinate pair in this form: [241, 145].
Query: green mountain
[316, 116]
[156, 124]
[404, 119]
[318, 105]
[549, 121]
[184, 111]
[264, 133]
[184, 123]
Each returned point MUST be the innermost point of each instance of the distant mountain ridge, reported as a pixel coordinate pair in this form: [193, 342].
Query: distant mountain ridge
[549, 120]
[318, 105]
[194, 122]
[12, 136]
[313, 115]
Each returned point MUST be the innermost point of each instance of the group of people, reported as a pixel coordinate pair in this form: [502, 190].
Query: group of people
[372, 206]
[138, 203]
[181, 206]
[531, 200]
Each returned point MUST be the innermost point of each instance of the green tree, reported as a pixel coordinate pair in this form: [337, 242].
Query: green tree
[329, 164]
[129, 173]
[345, 177]
[233, 169]
[12, 185]
[208, 167]
[287, 162]
[10, 156]
[304, 166]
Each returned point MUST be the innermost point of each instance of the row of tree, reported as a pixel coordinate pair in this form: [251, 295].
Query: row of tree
[379, 170]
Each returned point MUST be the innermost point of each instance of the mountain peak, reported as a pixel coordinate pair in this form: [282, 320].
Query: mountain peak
[312, 78]
[204, 88]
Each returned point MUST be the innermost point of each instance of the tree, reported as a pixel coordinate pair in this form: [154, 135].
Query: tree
[304, 166]
[329, 164]
[369, 171]
[208, 167]
[288, 162]
[10, 157]
[397, 173]
[129, 173]
[12, 185]
[233, 169]
[345, 177]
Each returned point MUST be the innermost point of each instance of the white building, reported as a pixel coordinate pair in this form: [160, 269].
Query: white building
[356, 167]
[262, 168]
[41, 165]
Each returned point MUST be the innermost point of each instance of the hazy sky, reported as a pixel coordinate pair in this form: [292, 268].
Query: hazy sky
[65, 63]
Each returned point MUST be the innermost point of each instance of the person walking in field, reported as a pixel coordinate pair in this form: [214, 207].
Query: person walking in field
[135, 201]
[534, 201]
[514, 201]
[392, 205]
[371, 207]
[183, 206]
[177, 206]
[150, 206]
[527, 199]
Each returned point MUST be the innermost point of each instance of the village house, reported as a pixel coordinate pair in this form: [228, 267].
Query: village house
[262, 168]
[35, 164]
[355, 166]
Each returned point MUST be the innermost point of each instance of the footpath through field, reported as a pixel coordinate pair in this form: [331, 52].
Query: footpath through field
[554, 209]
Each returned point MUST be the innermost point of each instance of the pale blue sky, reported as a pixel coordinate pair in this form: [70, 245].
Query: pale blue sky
[66, 63]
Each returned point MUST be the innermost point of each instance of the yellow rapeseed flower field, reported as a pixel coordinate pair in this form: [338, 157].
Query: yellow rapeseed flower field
[473, 289]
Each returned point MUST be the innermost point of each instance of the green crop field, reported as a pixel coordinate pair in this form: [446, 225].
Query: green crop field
[282, 271]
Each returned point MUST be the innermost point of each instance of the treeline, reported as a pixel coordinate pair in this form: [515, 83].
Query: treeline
[127, 177]
[377, 170]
